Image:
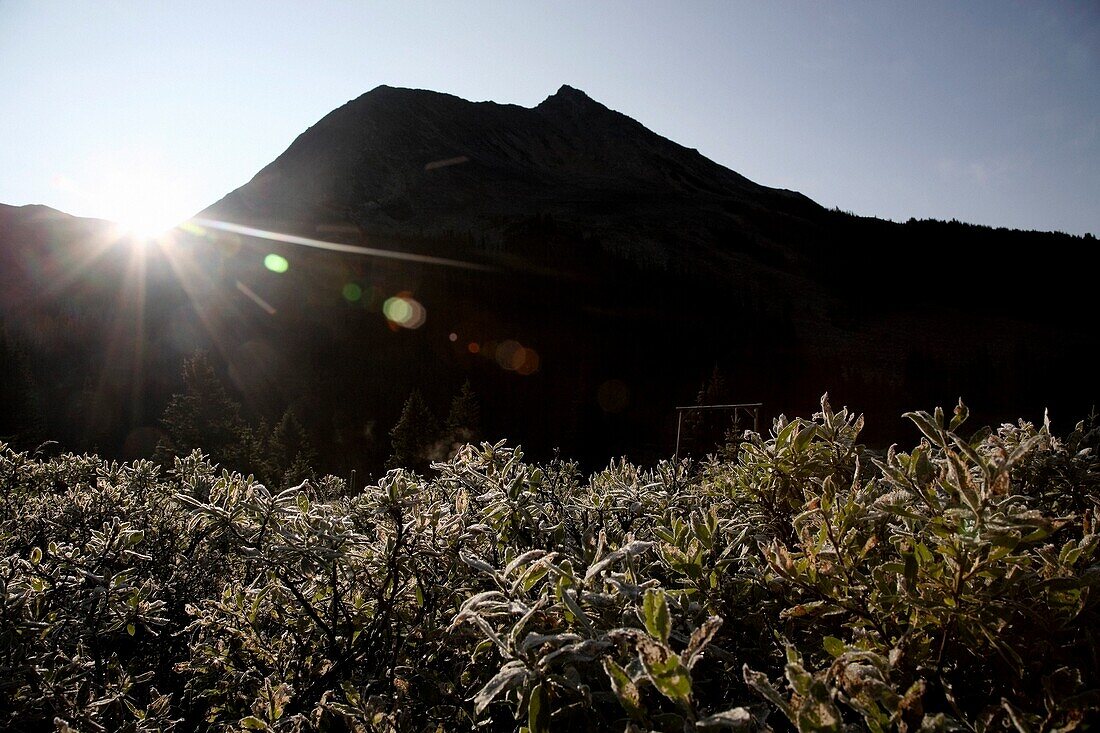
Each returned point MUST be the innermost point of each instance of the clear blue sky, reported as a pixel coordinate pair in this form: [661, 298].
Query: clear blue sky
[985, 112]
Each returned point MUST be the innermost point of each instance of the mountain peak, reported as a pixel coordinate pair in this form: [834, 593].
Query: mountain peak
[567, 92]
[568, 97]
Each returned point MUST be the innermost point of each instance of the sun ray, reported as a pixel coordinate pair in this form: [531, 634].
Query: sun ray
[198, 286]
[336, 246]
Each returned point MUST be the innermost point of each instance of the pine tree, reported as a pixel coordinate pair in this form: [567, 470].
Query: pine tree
[413, 436]
[290, 454]
[22, 409]
[205, 417]
[464, 420]
[259, 454]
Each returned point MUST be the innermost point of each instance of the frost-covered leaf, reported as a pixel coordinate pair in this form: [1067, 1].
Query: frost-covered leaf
[732, 719]
[634, 548]
[664, 669]
[658, 622]
[699, 640]
[625, 689]
[511, 675]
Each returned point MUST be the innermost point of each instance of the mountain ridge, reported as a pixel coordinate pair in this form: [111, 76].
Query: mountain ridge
[620, 257]
[514, 147]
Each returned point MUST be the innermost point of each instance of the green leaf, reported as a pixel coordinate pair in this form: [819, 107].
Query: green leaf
[573, 610]
[961, 413]
[818, 712]
[658, 622]
[131, 629]
[925, 425]
[805, 435]
[664, 670]
[538, 711]
[922, 466]
[701, 530]
[969, 451]
[811, 608]
[760, 682]
[784, 435]
[634, 548]
[799, 679]
[253, 723]
[624, 689]
[533, 575]
[834, 646]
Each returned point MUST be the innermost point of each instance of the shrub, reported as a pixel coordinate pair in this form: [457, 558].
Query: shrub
[806, 583]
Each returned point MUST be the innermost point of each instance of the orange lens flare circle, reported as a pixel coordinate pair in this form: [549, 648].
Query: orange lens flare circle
[513, 356]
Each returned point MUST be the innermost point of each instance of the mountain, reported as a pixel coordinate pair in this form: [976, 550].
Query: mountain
[586, 275]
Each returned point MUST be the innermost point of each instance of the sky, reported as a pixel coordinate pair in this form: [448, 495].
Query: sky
[984, 112]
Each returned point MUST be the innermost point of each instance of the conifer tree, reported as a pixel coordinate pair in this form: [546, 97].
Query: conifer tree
[290, 453]
[259, 453]
[464, 419]
[22, 412]
[414, 435]
[205, 417]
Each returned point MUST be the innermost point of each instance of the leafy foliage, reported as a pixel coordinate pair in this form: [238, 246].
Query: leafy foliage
[805, 584]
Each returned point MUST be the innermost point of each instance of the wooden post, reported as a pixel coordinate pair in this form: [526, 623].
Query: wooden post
[737, 409]
[679, 424]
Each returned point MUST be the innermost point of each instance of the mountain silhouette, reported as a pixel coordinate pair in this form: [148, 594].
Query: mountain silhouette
[584, 273]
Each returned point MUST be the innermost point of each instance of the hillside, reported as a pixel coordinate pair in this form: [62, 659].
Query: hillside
[629, 264]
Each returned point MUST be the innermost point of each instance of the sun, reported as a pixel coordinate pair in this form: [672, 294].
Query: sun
[146, 224]
[141, 196]
[145, 213]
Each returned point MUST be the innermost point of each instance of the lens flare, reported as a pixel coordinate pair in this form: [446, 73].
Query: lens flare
[192, 228]
[506, 354]
[276, 263]
[530, 363]
[513, 356]
[352, 292]
[404, 311]
[225, 226]
[264, 305]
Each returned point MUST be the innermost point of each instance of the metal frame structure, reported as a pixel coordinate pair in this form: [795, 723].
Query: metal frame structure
[751, 408]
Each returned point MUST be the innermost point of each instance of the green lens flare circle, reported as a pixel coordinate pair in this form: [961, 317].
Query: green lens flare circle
[398, 310]
[276, 263]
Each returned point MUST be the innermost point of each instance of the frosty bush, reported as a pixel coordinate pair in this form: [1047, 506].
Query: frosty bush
[805, 584]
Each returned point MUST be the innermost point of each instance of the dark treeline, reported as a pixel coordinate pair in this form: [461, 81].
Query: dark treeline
[889, 315]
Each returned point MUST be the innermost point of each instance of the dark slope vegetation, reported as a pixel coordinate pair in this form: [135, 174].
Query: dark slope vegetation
[630, 264]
